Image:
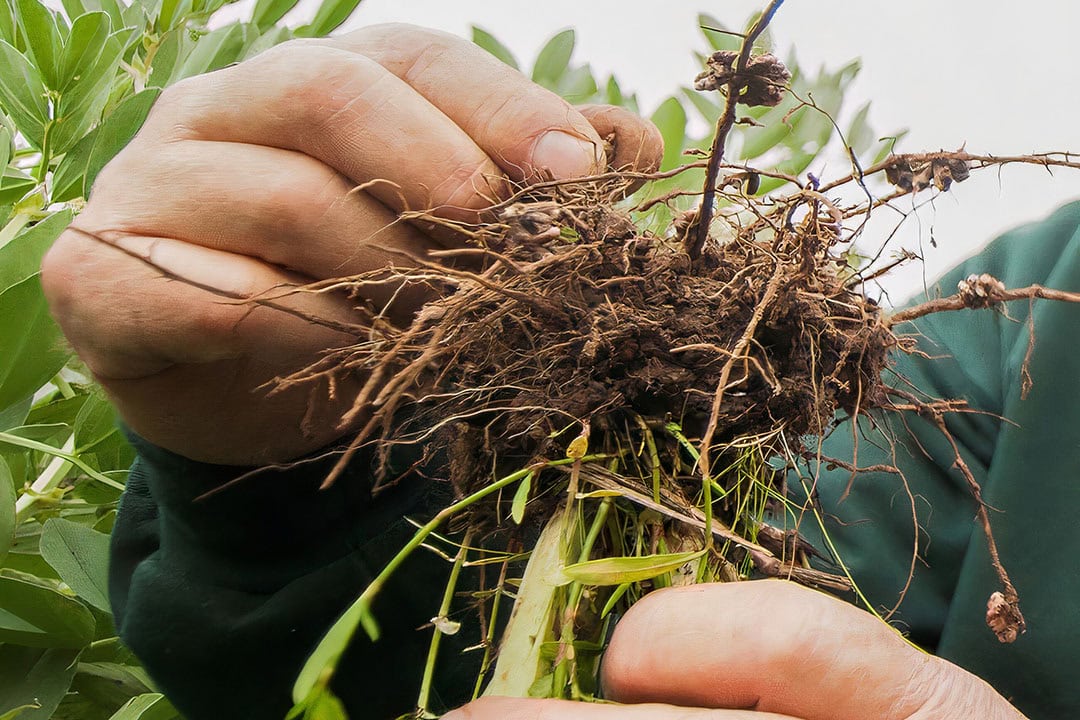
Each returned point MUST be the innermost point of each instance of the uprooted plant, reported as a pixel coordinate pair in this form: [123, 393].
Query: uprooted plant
[630, 404]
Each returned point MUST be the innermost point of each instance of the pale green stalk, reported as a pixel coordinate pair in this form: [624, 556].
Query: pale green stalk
[568, 663]
[489, 638]
[60, 453]
[436, 637]
[46, 482]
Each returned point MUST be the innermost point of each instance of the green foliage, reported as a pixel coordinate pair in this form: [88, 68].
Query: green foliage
[75, 87]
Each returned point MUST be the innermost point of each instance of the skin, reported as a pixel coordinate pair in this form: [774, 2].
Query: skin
[245, 180]
[762, 650]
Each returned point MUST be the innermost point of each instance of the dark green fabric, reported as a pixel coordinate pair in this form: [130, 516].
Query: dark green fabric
[1024, 452]
[222, 599]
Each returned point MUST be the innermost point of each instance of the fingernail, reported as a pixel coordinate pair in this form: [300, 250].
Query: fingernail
[564, 155]
[454, 715]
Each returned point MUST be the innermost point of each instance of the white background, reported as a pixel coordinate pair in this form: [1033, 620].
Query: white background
[1000, 76]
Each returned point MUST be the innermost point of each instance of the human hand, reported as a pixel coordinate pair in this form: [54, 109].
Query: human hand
[763, 650]
[243, 181]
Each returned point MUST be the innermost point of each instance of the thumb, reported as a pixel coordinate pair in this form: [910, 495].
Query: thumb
[774, 646]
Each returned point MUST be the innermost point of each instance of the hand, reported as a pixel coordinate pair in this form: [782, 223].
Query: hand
[762, 650]
[243, 181]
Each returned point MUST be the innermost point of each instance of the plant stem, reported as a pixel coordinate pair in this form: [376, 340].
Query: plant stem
[60, 453]
[566, 663]
[695, 241]
[47, 481]
[46, 155]
[436, 637]
[654, 456]
[66, 391]
[321, 664]
[489, 638]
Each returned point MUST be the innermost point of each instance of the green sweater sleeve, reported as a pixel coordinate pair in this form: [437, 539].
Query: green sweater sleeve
[223, 598]
[1023, 451]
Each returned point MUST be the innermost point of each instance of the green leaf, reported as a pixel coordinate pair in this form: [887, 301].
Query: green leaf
[15, 415]
[760, 140]
[619, 570]
[330, 15]
[332, 646]
[796, 163]
[35, 615]
[274, 36]
[170, 50]
[31, 347]
[888, 143]
[520, 661]
[110, 684]
[5, 148]
[74, 8]
[7, 23]
[553, 59]
[14, 185]
[80, 167]
[81, 104]
[717, 40]
[488, 42]
[268, 12]
[670, 119]
[98, 437]
[22, 94]
[320, 704]
[859, 136]
[7, 510]
[111, 7]
[521, 497]
[84, 46]
[149, 706]
[612, 92]
[172, 14]
[709, 110]
[578, 84]
[80, 556]
[95, 422]
[117, 131]
[42, 37]
[209, 7]
[21, 258]
[35, 678]
[212, 51]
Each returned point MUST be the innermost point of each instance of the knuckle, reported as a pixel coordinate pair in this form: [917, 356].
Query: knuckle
[395, 42]
[468, 185]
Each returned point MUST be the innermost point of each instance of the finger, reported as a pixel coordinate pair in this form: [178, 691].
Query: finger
[178, 319]
[343, 109]
[503, 708]
[279, 206]
[637, 143]
[529, 131]
[776, 647]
